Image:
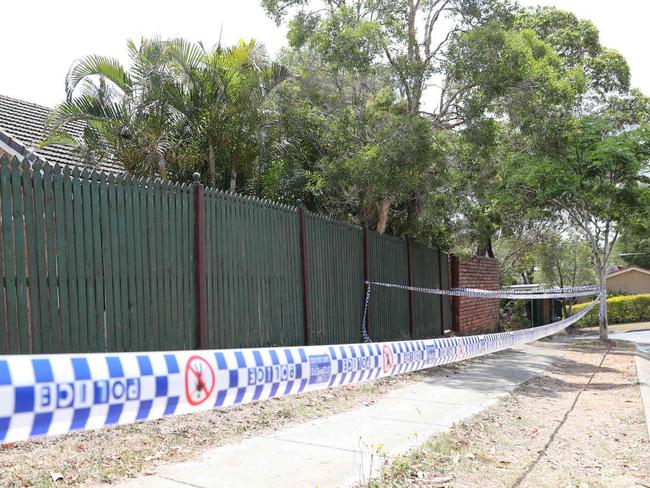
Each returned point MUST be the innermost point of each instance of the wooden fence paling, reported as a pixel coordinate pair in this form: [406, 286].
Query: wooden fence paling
[34, 320]
[71, 258]
[4, 323]
[173, 270]
[145, 336]
[200, 274]
[19, 246]
[10, 298]
[56, 329]
[44, 218]
[39, 332]
[106, 263]
[366, 278]
[98, 264]
[409, 272]
[305, 277]
[122, 332]
[61, 261]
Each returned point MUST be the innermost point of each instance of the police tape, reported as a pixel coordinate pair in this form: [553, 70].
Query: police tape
[584, 291]
[553, 289]
[44, 395]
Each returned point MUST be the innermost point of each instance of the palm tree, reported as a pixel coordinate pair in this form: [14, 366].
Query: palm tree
[221, 95]
[178, 103]
[123, 113]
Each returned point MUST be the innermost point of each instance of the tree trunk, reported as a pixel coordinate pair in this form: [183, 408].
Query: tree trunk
[484, 248]
[382, 215]
[602, 312]
[162, 166]
[233, 180]
[416, 95]
[212, 165]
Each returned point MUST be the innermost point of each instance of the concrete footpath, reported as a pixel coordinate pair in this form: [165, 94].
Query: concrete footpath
[643, 372]
[349, 448]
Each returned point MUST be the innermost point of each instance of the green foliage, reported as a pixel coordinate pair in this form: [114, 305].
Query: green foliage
[397, 147]
[521, 82]
[532, 120]
[620, 310]
[178, 109]
[577, 44]
[409, 39]
[635, 242]
[349, 141]
[512, 316]
[344, 39]
[565, 261]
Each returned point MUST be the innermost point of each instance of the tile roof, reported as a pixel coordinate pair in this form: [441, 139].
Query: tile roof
[25, 123]
[628, 269]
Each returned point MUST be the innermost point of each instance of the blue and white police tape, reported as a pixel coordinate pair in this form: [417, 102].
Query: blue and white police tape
[553, 289]
[602, 307]
[55, 394]
[589, 290]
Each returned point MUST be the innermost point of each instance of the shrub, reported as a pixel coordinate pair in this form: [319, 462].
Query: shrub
[513, 316]
[617, 293]
[620, 310]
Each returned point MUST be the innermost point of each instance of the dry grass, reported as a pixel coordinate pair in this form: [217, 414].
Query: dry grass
[111, 454]
[580, 424]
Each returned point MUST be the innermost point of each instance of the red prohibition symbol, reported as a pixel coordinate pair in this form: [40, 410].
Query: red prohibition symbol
[199, 380]
[387, 356]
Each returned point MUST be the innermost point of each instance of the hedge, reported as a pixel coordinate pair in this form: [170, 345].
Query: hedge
[620, 310]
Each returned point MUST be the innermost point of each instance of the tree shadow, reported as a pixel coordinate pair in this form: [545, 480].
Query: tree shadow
[500, 370]
[551, 438]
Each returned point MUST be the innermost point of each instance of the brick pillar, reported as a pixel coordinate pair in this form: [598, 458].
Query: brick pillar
[475, 315]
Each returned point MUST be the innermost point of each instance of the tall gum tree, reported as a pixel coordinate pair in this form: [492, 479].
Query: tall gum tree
[417, 44]
[598, 183]
[529, 79]
[410, 36]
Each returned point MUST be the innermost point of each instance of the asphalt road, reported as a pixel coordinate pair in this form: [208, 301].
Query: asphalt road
[640, 337]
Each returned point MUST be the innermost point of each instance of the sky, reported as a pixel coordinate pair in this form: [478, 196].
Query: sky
[41, 38]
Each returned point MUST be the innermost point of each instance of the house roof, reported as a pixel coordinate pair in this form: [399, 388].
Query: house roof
[626, 270]
[22, 127]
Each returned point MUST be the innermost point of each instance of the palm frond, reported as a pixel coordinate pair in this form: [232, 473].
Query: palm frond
[102, 66]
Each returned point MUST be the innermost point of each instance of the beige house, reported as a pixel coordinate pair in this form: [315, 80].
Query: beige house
[633, 280]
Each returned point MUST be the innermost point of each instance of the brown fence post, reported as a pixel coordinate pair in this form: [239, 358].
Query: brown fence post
[305, 274]
[410, 283]
[366, 277]
[455, 301]
[441, 297]
[199, 239]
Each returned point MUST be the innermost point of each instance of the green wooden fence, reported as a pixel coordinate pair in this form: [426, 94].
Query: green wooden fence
[427, 310]
[445, 285]
[95, 262]
[253, 271]
[335, 280]
[389, 307]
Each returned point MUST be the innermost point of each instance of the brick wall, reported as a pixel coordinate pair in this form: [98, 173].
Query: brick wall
[475, 315]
